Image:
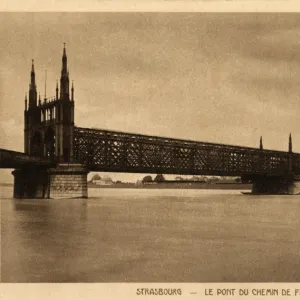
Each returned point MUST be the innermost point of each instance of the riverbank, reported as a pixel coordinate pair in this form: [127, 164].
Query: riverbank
[181, 185]
[188, 185]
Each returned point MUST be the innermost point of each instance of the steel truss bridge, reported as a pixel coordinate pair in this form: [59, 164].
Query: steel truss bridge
[113, 151]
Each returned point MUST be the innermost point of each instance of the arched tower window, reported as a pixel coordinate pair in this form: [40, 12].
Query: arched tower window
[50, 142]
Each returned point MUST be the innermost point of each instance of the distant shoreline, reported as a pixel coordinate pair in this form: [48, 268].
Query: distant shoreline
[189, 185]
[206, 186]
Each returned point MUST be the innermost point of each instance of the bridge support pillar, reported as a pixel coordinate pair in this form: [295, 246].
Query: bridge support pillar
[68, 180]
[31, 183]
[286, 185]
[64, 181]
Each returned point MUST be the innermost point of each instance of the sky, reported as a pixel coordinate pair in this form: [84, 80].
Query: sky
[218, 77]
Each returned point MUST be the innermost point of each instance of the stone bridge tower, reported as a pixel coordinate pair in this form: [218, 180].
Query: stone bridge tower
[49, 132]
[49, 124]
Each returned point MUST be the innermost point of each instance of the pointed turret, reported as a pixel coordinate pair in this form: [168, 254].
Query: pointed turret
[290, 143]
[40, 99]
[32, 75]
[56, 89]
[64, 54]
[32, 88]
[64, 79]
[25, 101]
[72, 97]
[261, 147]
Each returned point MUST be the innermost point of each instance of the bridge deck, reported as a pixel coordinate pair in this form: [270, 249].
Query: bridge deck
[12, 159]
[104, 150]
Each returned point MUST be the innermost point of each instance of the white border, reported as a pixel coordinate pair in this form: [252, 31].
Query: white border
[151, 6]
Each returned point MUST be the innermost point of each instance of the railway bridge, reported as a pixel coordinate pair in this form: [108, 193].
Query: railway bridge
[58, 155]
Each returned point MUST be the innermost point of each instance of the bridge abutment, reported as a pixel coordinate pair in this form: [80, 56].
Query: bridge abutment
[63, 181]
[268, 185]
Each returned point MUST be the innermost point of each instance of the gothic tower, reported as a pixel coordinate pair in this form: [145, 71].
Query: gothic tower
[49, 126]
[49, 133]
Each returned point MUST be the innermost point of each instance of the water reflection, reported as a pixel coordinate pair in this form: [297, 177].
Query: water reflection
[46, 235]
[32, 205]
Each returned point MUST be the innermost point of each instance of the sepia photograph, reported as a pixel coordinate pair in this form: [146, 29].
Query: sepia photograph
[154, 147]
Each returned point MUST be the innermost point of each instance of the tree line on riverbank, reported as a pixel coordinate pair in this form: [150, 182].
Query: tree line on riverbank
[160, 178]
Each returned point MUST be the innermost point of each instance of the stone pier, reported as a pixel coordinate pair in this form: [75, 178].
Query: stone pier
[64, 181]
[295, 188]
[281, 185]
[68, 181]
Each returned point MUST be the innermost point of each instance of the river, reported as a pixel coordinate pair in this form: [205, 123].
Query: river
[139, 235]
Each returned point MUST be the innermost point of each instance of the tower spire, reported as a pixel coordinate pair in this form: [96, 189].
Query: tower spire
[32, 87]
[290, 143]
[72, 97]
[64, 79]
[261, 144]
[25, 101]
[64, 54]
[56, 89]
[32, 76]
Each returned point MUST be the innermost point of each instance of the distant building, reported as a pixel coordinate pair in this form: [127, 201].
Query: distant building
[103, 181]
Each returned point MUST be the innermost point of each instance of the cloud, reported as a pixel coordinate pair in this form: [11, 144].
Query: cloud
[218, 77]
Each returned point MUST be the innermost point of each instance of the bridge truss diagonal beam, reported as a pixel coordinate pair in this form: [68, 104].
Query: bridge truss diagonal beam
[104, 150]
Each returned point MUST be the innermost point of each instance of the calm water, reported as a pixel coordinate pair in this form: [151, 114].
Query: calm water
[151, 235]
